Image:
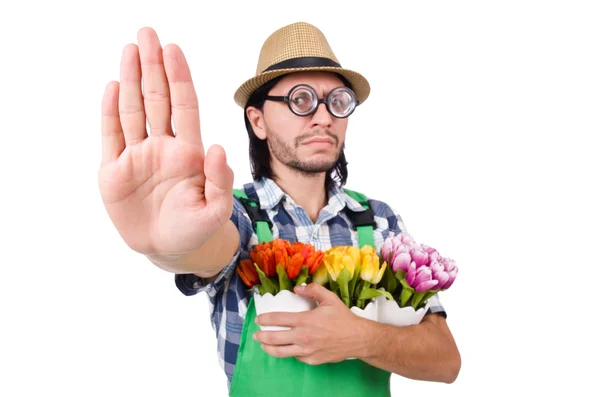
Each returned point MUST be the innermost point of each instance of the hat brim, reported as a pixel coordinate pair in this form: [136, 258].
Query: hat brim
[359, 84]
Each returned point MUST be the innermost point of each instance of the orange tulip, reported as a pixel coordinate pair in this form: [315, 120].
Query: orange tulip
[295, 265]
[265, 260]
[314, 261]
[297, 247]
[292, 257]
[248, 273]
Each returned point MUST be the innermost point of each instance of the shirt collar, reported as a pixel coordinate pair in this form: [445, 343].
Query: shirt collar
[270, 195]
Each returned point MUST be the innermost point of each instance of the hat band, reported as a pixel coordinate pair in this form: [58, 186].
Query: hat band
[303, 62]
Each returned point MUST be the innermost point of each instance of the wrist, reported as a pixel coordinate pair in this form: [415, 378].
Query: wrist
[367, 338]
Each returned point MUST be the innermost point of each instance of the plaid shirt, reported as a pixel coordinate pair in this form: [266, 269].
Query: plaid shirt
[227, 295]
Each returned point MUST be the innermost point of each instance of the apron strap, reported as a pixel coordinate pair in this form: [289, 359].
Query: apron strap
[260, 221]
[363, 221]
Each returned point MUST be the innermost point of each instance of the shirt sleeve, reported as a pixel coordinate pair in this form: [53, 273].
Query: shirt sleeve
[190, 284]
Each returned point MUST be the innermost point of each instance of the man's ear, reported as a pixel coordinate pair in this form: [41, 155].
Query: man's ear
[257, 120]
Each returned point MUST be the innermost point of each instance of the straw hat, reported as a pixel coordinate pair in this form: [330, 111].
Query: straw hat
[295, 48]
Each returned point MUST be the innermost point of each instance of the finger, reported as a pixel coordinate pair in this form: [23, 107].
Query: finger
[317, 292]
[281, 319]
[131, 104]
[276, 338]
[217, 172]
[113, 142]
[157, 102]
[218, 188]
[184, 102]
[283, 351]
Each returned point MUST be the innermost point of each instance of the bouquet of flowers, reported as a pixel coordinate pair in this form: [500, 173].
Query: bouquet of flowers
[272, 271]
[392, 286]
[350, 272]
[417, 271]
[278, 265]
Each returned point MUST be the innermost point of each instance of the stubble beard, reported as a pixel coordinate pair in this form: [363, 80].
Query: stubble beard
[288, 156]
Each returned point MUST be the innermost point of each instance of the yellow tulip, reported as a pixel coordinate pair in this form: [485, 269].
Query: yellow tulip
[333, 263]
[371, 271]
[343, 257]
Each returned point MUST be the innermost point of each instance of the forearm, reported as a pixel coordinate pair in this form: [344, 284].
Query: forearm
[205, 261]
[420, 352]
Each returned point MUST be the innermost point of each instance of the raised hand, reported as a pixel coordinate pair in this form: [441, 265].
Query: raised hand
[161, 191]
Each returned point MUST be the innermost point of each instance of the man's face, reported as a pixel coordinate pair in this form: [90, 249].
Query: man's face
[310, 144]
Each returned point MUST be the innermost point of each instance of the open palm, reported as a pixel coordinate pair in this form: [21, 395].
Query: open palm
[160, 189]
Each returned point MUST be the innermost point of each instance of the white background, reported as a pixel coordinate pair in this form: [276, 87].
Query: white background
[481, 129]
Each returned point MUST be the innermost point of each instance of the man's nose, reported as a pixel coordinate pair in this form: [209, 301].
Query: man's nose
[322, 117]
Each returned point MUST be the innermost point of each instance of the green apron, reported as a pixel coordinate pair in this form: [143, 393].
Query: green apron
[258, 374]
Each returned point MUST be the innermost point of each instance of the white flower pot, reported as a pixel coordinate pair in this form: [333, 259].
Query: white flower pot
[370, 312]
[389, 312]
[284, 301]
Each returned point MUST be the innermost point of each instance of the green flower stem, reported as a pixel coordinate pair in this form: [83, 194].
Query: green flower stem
[333, 285]
[268, 286]
[343, 279]
[417, 299]
[361, 302]
[407, 292]
[370, 293]
[303, 276]
[429, 294]
[352, 286]
[284, 281]
[389, 281]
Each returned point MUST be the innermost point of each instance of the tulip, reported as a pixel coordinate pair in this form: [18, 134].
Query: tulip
[333, 263]
[339, 258]
[444, 271]
[264, 258]
[371, 271]
[449, 280]
[295, 265]
[320, 275]
[420, 278]
[343, 268]
[387, 249]
[401, 262]
[448, 263]
[314, 261]
[439, 273]
[406, 238]
[289, 262]
[248, 273]
[420, 257]
[281, 249]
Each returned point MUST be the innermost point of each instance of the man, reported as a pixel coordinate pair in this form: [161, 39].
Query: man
[173, 202]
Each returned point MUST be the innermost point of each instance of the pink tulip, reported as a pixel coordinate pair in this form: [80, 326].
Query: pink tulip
[396, 242]
[452, 277]
[437, 267]
[420, 278]
[401, 248]
[401, 261]
[440, 273]
[449, 264]
[407, 238]
[428, 249]
[434, 255]
[387, 248]
[420, 257]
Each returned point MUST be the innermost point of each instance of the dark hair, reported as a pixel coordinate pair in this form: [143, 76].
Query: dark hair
[260, 157]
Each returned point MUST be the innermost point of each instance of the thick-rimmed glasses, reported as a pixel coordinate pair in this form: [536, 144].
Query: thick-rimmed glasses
[303, 101]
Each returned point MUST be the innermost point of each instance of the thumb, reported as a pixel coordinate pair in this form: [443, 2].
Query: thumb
[317, 292]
